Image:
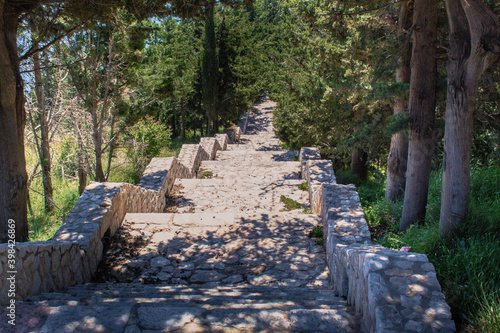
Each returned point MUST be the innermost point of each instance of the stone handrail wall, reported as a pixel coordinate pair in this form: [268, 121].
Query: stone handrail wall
[394, 291]
[72, 256]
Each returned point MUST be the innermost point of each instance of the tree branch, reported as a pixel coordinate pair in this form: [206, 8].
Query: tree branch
[34, 50]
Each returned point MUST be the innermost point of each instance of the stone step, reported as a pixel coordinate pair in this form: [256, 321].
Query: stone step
[224, 183]
[247, 152]
[235, 195]
[238, 296]
[210, 249]
[210, 219]
[141, 308]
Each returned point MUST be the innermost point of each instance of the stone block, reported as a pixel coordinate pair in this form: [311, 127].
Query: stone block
[209, 147]
[189, 159]
[222, 139]
[307, 153]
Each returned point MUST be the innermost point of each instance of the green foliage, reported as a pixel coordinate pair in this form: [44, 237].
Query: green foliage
[468, 266]
[316, 232]
[44, 225]
[290, 204]
[304, 186]
[331, 83]
[67, 160]
[145, 140]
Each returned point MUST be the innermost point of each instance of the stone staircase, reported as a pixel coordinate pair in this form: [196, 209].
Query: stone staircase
[225, 257]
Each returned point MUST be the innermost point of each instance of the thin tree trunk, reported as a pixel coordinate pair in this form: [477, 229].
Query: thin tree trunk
[474, 46]
[111, 146]
[13, 184]
[421, 108]
[44, 146]
[208, 127]
[97, 135]
[359, 163]
[82, 165]
[30, 209]
[183, 114]
[398, 152]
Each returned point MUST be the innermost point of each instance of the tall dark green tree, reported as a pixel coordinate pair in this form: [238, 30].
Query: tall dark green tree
[398, 152]
[210, 69]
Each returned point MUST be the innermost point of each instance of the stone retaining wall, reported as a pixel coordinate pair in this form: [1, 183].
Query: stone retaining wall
[394, 291]
[210, 146]
[73, 254]
[190, 159]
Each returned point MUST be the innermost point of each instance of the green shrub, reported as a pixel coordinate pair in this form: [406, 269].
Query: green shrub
[145, 140]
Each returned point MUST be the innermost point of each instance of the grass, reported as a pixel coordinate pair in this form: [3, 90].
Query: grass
[205, 174]
[304, 186]
[43, 226]
[467, 266]
[290, 204]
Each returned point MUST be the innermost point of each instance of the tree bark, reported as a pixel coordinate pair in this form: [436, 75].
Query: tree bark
[421, 108]
[398, 152]
[44, 146]
[183, 115]
[359, 163]
[82, 165]
[13, 176]
[474, 46]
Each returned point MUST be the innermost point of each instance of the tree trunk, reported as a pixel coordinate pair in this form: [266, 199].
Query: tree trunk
[207, 134]
[97, 138]
[359, 163]
[183, 126]
[99, 173]
[13, 176]
[474, 46]
[173, 124]
[82, 166]
[421, 108]
[44, 146]
[398, 152]
[111, 146]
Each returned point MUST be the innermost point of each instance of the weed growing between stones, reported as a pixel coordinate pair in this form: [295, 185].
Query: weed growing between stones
[317, 234]
[205, 174]
[304, 186]
[290, 204]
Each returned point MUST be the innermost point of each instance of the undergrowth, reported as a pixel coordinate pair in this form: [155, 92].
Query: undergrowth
[468, 265]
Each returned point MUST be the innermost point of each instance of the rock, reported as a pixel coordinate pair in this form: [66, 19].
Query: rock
[160, 262]
[233, 279]
[166, 317]
[205, 276]
[84, 318]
